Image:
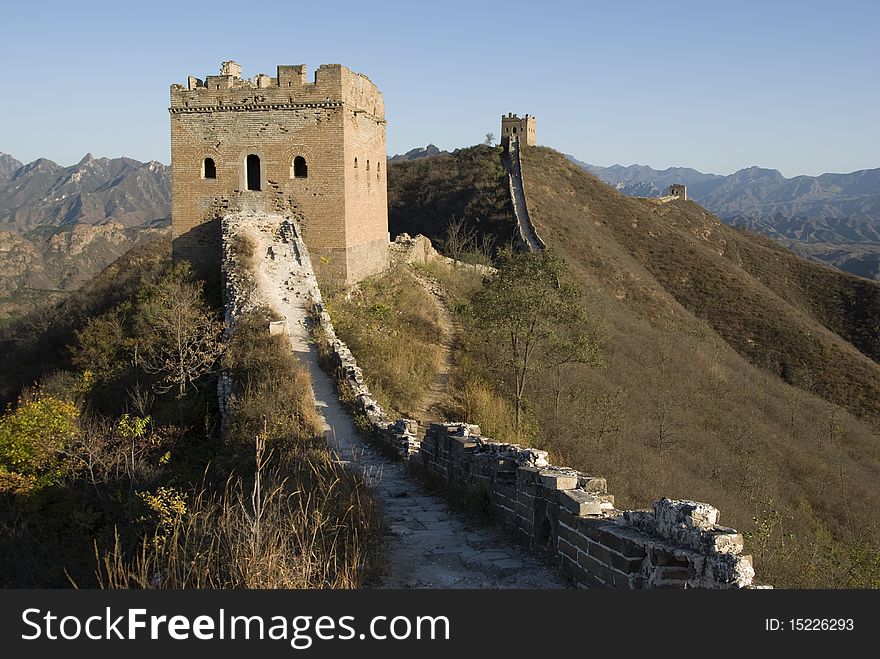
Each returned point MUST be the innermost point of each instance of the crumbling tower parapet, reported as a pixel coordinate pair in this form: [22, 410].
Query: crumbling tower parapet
[313, 150]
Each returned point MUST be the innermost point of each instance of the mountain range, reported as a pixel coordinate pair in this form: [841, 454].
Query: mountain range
[93, 191]
[418, 152]
[60, 226]
[833, 218]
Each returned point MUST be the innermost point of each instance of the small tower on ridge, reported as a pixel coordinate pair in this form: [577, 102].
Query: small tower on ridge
[521, 128]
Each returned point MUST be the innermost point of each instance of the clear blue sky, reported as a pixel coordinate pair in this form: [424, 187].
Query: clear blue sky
[711, 85]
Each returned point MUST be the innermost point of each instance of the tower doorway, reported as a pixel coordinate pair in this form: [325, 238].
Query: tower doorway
[253, 172]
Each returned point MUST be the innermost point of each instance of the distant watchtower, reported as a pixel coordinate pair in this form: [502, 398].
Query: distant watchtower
[313, 150]
[677, 190]
[523, 128]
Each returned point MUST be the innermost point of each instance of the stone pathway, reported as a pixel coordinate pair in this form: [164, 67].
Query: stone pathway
[429, 545]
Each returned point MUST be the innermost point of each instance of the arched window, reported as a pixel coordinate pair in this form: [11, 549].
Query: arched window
[355, 163]
[378, 169]
[300, 168]
[209, 169]
[253, 172]
[368, 165]
[514, 129]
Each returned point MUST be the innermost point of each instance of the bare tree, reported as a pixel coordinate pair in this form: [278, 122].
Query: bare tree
[486, 248]
[459, 239]
[665, 426]
[490, 138]
[180, 337]
[607, 416]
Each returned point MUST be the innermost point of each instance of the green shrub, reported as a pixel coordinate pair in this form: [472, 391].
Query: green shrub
[33, 439]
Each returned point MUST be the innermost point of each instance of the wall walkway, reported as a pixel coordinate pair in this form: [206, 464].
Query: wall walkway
[428, 544]
[527, 233]
[537, 506]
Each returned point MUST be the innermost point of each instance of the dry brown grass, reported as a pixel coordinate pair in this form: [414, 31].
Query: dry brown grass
[723, 351]
[391, 325]
[458, 283]
[308, 524]
[678, 411]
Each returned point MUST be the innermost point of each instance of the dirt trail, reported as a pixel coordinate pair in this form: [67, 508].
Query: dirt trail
[428, 408]
[429, 545]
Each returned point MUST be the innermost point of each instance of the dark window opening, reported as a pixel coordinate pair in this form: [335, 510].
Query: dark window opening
[300, 168]
[355, 163]
[368, 165]
[210, 169]
[514, 129]
[544, 537]
[253, 172]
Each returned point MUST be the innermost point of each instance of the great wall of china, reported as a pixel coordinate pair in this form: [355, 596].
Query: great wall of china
[552, 509]
[278, 161]
[526, 231]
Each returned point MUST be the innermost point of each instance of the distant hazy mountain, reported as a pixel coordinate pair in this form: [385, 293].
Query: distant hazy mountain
[8, 166]
[415, 154]
[93, 191]
[830, 207]
[834, 218]
[60, 226]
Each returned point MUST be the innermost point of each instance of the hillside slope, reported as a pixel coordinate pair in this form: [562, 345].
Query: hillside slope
[811, 325]
[832, 218]
[47, 263]
[426, 194]
[37, 343]
[726, 356]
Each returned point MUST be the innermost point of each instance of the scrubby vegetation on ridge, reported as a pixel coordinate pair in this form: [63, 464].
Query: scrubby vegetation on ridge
[113, 469]
[469, 186]
[813, 326]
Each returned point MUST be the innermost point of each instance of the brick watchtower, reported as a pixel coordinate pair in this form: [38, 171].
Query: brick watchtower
[315, 150]
[523, 128]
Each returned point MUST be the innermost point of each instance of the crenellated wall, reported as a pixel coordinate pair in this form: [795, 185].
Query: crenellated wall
[676, 544]
[235, 145]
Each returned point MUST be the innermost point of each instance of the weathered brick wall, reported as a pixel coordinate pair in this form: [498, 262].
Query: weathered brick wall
[676, 544]
[329, 122]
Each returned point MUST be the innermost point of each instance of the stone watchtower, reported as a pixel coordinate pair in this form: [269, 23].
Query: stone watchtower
[523, 128]
[315, 150]
[677, 190]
